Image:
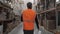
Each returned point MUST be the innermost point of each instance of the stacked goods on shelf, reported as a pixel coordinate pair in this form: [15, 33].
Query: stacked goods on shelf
[51, 21]
[13, 24]
[51, 25]
[2, 14]
[2, 18]
[7, 17]
[45, 24]
[10, 25]
[51, 18]
[58, 7]
[43, 20]
[50, 4]
[40, 21]
[42, 5]
[47, 4]
[5, 10]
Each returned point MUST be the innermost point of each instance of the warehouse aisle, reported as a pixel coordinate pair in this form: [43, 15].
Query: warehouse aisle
[19, 30]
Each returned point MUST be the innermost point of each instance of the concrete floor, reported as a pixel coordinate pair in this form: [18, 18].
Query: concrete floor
[19, 30]
[44, 31]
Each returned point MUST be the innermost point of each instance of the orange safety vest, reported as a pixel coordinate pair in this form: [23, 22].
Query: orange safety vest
[28, 19]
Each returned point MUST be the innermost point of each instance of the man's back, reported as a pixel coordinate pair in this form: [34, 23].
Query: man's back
[28, 19]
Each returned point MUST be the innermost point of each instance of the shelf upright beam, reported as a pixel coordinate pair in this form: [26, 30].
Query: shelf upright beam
[56, 17]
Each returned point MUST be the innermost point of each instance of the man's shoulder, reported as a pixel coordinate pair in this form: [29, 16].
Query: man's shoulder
[34, 11]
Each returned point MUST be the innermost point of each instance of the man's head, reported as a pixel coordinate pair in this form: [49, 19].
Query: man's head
[29, 5]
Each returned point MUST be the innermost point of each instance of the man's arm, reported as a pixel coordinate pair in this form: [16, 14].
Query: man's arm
[21, 18]
[36, 20]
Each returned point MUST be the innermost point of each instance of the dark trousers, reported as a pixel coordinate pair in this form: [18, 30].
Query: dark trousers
[28, 31]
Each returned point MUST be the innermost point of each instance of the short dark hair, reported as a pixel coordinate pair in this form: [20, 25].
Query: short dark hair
[29, 5]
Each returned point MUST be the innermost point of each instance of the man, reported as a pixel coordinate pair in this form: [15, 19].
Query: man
[28, 17]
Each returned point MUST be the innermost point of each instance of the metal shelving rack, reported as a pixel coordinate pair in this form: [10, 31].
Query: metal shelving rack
[6, 8]
[49, 13]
